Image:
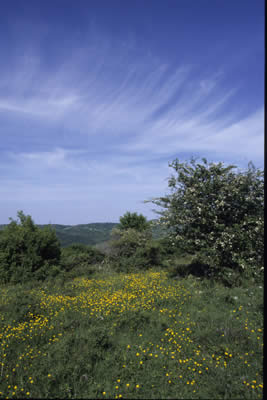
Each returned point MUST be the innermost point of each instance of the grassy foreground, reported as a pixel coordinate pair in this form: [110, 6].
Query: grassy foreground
[140, 335]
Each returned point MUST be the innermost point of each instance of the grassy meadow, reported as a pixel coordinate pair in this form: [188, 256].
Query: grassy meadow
[131, 335]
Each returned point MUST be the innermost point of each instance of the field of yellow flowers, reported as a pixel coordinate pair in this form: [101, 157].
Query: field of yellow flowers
[139, 335]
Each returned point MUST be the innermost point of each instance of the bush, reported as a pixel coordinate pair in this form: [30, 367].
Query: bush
[130, 246]
[122, 264]
[80, 255]
[169, 248]
[152, 253]
[132, 250]
[180, 266]
[217, 214]
[27, 251]
[178, 270]
[124, 243]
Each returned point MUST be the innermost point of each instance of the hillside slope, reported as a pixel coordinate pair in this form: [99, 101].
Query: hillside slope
[90, 234]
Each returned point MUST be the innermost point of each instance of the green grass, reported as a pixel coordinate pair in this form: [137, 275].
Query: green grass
[142, 335]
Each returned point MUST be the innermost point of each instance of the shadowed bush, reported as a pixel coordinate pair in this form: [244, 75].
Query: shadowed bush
[27, 251]
[80, 255]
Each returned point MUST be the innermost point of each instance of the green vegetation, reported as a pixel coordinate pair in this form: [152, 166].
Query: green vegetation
[79, 259]
[88, 234]
[133, 221]
[139, 316]
[132, 250]
[28, 252]
[91, 234]
[138, 335]
[218, 215]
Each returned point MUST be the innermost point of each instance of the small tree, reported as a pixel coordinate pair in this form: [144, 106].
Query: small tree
[124, 243]
[132, 232]
[128, 241]
[133, 221]
[27, 251]
[216, 213]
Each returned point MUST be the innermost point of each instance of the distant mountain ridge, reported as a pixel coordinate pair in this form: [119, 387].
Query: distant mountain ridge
[89, 234]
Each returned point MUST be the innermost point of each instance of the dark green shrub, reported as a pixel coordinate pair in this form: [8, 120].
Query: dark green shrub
[125, 242]
[230, 277]
[132, 249]
[27, 251]
[84, 270]
[140, 258]
[80, 255]
[122, 264]
[151, 253]
[199, 267]
[169, 248]
[178, 270]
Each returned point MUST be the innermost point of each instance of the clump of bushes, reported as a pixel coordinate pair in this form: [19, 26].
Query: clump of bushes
[28, 252]
[80, 259]
[131, 245]
[125, 242]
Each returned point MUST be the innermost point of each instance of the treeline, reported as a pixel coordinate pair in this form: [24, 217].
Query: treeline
[214, 214]
[89, 234]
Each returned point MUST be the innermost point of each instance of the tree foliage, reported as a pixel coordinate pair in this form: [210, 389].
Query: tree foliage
[27, 251]
[216, 213]
[133, 221]
[79, 254]
[126, 242]
[131, 250]
[131, 244]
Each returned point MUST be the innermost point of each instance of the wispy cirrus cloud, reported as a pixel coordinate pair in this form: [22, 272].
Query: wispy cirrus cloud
[145, 101]
[112, 116]
[117, 87]
[99, 102]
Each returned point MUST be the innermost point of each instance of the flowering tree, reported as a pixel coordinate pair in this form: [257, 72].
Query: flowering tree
[216, 213]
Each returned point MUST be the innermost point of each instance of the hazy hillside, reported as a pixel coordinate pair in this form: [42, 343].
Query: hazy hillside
[91, 234]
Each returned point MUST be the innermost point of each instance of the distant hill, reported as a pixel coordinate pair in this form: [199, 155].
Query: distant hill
[90, 234]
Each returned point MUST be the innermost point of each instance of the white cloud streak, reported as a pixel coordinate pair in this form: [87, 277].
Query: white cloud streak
[148, 107]
[121, 96]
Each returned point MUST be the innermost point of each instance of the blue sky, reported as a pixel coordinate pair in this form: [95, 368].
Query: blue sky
[96, 97]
